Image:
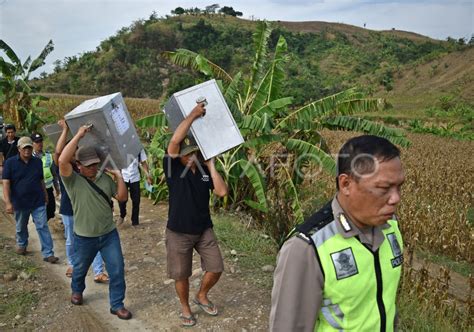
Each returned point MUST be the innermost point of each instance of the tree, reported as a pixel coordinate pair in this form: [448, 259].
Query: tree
[212, 8]
[178, 11]
[229, 11]
[281, 142]
[18, 104]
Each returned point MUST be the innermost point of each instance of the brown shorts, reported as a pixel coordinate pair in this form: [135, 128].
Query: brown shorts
[179, 253]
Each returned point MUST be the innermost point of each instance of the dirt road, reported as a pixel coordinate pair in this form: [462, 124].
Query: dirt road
[243, 304]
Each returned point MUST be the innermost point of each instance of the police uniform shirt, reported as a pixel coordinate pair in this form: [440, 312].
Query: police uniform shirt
[298, 284]
[189, 195]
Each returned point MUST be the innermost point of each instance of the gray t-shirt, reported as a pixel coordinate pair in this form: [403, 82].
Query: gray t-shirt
[92, 213]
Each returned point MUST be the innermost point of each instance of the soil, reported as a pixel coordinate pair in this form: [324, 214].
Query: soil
[243, 303]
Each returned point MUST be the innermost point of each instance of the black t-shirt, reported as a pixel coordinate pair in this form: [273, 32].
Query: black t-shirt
[189, 195]
[8, 150]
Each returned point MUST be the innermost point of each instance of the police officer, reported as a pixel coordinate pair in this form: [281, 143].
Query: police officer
[49, 172]
[341, 269]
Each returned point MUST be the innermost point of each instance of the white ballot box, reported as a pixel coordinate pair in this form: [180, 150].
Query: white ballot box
[216, 131]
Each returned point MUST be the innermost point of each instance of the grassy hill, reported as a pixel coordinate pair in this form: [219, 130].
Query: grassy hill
[324, 58]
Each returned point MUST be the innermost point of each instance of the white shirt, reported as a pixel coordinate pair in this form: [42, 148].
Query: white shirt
[132, 173]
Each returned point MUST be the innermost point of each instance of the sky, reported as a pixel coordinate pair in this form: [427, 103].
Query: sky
[77, 26]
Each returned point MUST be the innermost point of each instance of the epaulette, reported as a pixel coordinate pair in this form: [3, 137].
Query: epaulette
[317, 221]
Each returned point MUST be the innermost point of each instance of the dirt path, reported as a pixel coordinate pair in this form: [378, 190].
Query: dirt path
[240, 296]
[243, 304]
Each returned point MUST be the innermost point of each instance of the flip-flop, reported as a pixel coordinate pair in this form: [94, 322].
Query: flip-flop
[209, 309]
[187, 321]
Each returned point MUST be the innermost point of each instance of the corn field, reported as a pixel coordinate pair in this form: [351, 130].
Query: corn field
[60, 104]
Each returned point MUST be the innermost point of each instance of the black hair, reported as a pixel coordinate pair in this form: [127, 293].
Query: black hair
[10, 126]
[357, 155]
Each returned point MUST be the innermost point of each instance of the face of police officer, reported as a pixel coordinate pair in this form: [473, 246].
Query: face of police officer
[38, 146]
[88, 171]
[372, 199]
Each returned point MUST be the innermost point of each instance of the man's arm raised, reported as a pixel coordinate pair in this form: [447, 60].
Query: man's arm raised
[183, 128]
[65, 167]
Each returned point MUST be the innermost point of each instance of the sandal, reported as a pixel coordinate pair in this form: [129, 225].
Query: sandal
[102, 278]
[69, 272]
[187, 321]
[209, 308]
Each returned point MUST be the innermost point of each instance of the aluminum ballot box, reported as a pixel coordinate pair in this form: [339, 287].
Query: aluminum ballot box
[113, 132]
[54, 131]
[216, 131]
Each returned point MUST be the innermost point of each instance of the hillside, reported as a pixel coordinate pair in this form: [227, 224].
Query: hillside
[324, 57]
[421, 85]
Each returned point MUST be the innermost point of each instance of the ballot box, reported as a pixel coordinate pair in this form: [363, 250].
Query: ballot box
[53, 131]
[216, 131]
[113, 131]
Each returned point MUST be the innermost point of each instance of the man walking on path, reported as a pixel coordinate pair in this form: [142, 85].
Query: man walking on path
[340, 272]
[94, 228]
[24, 193]
[8, 145]
[66, 212]
[131, 176]
[189, 222]
[49, 173]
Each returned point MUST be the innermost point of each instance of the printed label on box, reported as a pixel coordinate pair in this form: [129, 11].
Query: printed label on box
[120, 119]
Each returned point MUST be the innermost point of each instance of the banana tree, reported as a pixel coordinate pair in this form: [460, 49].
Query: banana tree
[18, 103]
[274, 132]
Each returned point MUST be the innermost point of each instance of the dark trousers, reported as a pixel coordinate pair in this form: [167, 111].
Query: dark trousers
[134, 189]
[51, 207]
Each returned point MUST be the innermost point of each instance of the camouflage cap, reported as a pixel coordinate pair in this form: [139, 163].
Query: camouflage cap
[187, 146]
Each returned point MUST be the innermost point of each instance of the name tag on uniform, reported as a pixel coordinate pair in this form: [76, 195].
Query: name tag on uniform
[396, 250]
[205, 178]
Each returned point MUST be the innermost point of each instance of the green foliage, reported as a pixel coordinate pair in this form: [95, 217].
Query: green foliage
[18, 103]
[320, 64]
[266, 173]
[466, 132]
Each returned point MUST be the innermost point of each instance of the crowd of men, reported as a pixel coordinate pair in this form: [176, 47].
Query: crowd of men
[339, 270]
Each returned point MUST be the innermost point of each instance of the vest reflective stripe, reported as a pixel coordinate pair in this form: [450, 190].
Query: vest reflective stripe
[47, 160]
[351, 301]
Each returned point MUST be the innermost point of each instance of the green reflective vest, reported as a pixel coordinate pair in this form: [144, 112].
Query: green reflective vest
[47, 160]
[360, 286]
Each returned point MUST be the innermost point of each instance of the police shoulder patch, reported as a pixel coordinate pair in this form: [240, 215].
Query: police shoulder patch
[344, 263]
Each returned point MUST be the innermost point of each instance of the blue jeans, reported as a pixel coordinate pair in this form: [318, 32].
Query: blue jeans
[97, 264]
[86, 248]
[41, 223]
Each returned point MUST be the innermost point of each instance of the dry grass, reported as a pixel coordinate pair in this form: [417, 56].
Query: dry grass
[60, 104]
